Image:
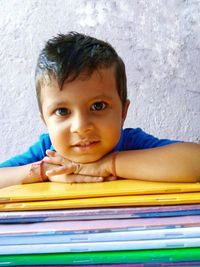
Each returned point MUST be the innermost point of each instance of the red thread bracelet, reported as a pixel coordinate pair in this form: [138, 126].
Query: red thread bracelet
[114, 155]
[41, 172]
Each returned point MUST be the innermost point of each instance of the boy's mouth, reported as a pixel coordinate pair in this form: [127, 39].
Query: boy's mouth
[84, 144]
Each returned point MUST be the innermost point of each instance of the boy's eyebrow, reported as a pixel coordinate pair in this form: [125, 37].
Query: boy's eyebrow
[102, 96]
[56, 104]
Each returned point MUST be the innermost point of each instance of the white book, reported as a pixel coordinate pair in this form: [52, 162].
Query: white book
[99, 246]
[174, 233]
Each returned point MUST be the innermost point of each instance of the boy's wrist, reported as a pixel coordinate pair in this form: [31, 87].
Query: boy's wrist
[37, 172]
[113, 164]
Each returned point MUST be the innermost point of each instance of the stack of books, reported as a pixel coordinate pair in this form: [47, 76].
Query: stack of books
[116, 223]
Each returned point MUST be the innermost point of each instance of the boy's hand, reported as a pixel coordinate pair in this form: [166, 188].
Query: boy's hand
[71, 172]
[77, 178]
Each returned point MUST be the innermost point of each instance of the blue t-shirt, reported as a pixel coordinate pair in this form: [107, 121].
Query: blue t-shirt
[131, 139]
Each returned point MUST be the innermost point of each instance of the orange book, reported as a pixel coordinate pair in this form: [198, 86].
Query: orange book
[62, 191]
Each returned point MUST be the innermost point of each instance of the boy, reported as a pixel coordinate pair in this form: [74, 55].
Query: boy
[82, 98]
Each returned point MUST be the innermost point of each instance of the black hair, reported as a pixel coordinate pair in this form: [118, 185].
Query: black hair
[66, 56]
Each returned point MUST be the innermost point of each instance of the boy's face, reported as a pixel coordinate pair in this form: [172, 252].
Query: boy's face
[85, 118]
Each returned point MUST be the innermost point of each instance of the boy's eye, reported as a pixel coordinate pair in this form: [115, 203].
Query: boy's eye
[62, 112]
[98, 106]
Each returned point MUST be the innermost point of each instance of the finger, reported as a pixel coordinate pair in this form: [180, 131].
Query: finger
[71, 178]
[54, 160]
[59, 170]
[83, 179]
[88, 179]
[60, 179]
[50, 153]
[110, 178]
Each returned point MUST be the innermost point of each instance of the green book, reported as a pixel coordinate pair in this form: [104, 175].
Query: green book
[84, 258]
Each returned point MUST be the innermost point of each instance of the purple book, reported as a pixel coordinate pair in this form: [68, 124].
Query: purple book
[99, 213]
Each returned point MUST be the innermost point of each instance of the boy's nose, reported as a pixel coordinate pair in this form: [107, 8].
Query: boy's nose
[81, 123]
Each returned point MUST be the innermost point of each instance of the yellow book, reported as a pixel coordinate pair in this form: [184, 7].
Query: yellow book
[123, 187]
[119, 201]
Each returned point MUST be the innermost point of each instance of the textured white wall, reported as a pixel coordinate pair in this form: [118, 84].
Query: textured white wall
[159, 41]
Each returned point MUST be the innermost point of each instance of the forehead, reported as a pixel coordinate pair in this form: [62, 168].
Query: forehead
[100, 81]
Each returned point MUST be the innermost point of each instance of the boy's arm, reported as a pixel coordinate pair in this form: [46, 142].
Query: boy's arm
[178, 162]
[29, 173]
[18, 175]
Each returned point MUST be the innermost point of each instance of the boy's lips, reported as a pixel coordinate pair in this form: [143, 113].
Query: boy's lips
[84, 144]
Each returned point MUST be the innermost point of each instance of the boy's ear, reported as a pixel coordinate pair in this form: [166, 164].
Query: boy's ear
[125, 110]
